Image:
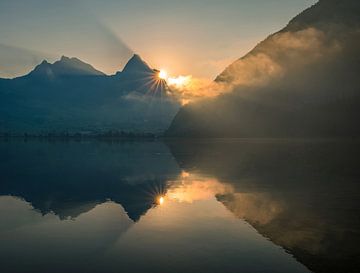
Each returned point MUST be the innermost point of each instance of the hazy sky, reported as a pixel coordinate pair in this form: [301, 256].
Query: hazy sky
[197, 37]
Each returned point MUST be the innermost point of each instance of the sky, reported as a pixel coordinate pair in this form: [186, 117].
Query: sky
[188, 37]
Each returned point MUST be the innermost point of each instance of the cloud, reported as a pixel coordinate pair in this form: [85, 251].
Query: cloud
[193, 89]
[279, 57]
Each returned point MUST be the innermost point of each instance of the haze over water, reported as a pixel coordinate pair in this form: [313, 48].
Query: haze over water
[227, 206]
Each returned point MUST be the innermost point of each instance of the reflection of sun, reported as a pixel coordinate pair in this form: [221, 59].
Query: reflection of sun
[163, 74]
[192, 187]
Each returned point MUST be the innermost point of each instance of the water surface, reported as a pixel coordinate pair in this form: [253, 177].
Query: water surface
[226, 206]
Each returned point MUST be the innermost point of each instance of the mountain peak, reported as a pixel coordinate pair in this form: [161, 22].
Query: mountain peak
[136, 65]
[44, 62]
[325, 13]
[72, 60]
[64, 58]
[65, 67]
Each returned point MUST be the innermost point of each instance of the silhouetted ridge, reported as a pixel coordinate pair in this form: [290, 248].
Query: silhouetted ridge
[43, 69]
[325, 13]
[72, 96]
[298, 82]
[65, 67]
[137, 65]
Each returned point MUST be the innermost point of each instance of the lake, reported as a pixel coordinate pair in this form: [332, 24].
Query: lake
[221, 205]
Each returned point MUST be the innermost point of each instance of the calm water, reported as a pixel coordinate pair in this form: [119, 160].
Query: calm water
[190, 206]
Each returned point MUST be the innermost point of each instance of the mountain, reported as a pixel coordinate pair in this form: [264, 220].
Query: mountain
[299, 82]
[64, 67]
[70, 95]
[137, 77]
[136, 66]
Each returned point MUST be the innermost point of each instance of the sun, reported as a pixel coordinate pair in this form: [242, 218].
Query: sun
[163, 74]
[161, 200]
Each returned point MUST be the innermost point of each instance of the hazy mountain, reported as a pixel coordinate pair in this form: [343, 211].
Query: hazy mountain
[64, 67]
[300, 81]
[70, 95]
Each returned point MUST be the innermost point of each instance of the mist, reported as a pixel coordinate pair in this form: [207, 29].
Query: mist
[291, 84]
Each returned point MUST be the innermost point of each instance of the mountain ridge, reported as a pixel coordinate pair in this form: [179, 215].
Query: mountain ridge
[71, 95]
[299, 82]
[65, 67]
[136, 65]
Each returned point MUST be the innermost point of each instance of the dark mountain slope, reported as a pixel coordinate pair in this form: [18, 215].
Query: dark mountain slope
[300, 82]
[70, 95]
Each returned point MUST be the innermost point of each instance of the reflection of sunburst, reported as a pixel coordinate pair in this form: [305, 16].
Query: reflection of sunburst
[156, 192]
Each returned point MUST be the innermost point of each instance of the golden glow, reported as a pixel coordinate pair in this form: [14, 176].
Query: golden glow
[161, 200]
[192, 187]
[179, 81]
[187, 89]
[163, 74]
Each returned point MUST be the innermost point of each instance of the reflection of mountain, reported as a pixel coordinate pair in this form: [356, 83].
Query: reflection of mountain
[302, 195]
[70, 95]
[69, 178]
[300, 81]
